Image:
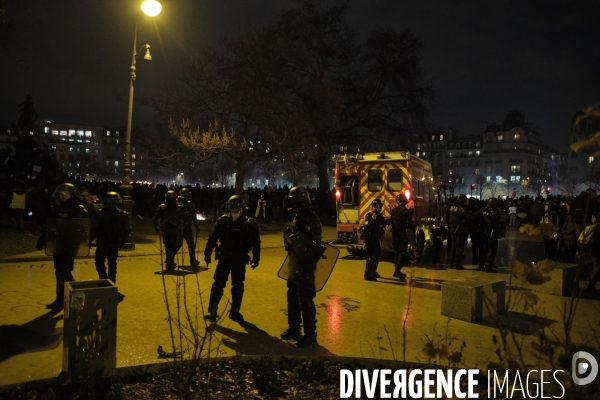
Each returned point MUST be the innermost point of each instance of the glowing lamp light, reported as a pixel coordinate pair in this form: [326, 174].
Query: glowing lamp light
[151, 8]
[407, 194]
[338, 194]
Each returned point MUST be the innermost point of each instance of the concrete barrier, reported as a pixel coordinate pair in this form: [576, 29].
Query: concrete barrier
[473, 299]
[561, 283]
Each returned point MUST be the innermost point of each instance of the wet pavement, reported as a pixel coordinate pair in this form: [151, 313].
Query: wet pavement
[356, 318]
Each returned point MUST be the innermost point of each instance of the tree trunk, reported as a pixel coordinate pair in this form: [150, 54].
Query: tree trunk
[323, 174]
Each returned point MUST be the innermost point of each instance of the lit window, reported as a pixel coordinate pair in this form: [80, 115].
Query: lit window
[107, 133]
[133, 156]
[72, 132]
[55, 132]
[441, 137]
[476, 144]
[423, 154]
[450, 154]
[432, 138]
[499, 179]
[116, 163]
[87, 150]
[133, 163]
[80, 133]
[591, 159]
[417, 154]
[95, 151]
[63, 133]
[450, 171]
[515, 169]
[476, 171]
[71, 149]
[449, 180]
[488, 178]
[500, 137]
[117, 141]
[418, 146]
[517, 136]
[478, 153]
[116, 133]
[88, 133]
[470, 153]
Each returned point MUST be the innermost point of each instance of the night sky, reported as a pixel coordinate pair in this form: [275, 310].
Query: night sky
[484, 58]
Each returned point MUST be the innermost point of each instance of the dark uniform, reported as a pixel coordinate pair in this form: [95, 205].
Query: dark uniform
[185, 200]
[169, 220]
[402, 223]
[550, 217]
[460, 221]
[66, 205]
[111, 226]
[373, 230]
[494, 228]
[237, 235]
[300, 299]
[479, 244]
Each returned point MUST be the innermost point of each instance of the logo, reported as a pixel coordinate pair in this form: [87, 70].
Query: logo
[579, 368]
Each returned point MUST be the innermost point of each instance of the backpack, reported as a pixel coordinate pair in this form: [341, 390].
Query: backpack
[588, 236]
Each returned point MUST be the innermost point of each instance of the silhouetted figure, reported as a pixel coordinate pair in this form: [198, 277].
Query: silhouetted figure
[28, 115]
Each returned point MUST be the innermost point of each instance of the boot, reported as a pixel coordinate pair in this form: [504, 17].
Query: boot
[310, 332]
[292, 333]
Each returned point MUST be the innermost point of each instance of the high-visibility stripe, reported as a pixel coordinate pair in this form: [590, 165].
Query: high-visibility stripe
[367, 196]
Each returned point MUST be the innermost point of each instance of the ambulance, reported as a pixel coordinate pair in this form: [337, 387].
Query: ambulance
[362, 178]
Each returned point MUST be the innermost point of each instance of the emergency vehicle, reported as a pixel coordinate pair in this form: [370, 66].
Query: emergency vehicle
[363, 178]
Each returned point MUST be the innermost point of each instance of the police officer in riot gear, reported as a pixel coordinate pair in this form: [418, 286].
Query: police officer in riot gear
[460, 221]
[185, 200]
[300, 299]
[169, 221]
[494, 228]
[476, 232]
[111, 226]
[236, 235]
[66, 205]
[402, 222]
[373, 229]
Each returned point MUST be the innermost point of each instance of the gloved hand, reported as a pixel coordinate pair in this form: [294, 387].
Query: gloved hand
[207, 259]
[254, 263]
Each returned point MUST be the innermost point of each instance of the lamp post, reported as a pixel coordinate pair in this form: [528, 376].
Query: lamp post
[150, 8]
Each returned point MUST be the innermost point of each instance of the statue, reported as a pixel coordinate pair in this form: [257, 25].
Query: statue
[28, 115]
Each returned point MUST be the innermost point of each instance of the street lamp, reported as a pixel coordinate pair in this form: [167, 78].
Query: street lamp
[150, 8]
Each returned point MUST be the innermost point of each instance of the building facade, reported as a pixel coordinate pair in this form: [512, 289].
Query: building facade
[509, 157]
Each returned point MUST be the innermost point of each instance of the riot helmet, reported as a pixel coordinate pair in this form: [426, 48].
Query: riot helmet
[235, 204]
[401, 199]
[297, 198]
[185, 192]
[112, 199]
[170, 196]
[65, 191]
[376, 205]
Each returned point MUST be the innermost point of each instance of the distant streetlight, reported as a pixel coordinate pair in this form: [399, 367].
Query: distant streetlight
[151, 8]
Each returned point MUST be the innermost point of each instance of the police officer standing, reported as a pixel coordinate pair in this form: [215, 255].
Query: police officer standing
[112, 226]
[236, 235]
[402, 222]
[169, 220]
[494, 228]
[185, 200]
[300, 299]
[65, 205]
[373, 230]
[460, 221]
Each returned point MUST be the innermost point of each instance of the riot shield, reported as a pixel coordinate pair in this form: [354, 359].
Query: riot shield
[309, 275]
[68, 236]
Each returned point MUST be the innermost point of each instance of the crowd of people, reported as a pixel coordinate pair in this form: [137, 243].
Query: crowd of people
[562, 221]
